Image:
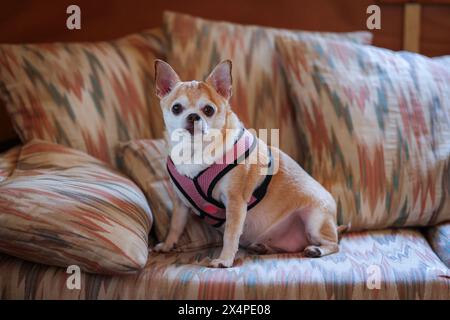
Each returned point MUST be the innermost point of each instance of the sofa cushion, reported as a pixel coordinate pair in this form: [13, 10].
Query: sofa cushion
[439, 238]
[401, 260]
[60, 206]
[197, 45]
[145, 162]
[375, 129]
[443, 59]
[88, 96]
[8, 161]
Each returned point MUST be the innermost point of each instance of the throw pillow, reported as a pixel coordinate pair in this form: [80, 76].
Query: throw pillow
[60, 206]
[259, 98]
[88, 96]
[375, 126]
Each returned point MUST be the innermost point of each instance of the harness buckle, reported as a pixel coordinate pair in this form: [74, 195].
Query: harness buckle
[209, 208]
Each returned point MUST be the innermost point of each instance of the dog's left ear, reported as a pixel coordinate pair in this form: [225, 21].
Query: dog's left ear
[165, 77]
[220, 78]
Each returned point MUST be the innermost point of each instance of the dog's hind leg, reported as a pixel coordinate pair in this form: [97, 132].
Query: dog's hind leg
[260, 248]
[321, 231]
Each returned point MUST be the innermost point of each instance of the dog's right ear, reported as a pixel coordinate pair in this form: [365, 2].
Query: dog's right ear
[165, 78]
[221, 79]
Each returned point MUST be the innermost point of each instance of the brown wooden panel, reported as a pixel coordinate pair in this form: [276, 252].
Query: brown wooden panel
[37, 21]
[424, 2]
[435, 33]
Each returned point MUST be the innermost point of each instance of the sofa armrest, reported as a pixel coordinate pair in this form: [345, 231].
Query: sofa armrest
[439, 239]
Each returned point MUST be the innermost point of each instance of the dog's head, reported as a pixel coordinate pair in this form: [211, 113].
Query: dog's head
[196, 106]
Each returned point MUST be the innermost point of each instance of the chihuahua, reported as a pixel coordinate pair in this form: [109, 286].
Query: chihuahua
[267, 205]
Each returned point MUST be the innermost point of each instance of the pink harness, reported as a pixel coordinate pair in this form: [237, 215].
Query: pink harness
[198, 191]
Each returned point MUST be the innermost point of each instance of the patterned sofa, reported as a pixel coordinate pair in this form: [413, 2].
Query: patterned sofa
[407, 266]
[399, 244]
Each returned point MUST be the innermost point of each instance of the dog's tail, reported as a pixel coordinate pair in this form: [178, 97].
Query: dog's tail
[343, 229]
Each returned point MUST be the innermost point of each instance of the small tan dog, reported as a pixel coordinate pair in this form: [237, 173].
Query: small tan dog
[287, 211]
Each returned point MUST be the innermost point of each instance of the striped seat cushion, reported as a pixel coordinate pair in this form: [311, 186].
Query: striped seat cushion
[387, 264]
[60, 206]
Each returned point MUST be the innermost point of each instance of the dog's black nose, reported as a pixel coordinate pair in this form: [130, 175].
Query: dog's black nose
[193, 117]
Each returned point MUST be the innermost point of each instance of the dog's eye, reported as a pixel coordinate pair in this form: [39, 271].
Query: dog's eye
[208, 110]
[177, 108]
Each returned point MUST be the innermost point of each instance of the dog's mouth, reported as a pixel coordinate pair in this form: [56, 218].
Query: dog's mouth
[190, 129]
[195, 128]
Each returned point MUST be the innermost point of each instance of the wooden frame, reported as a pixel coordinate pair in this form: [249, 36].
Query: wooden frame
[411, 27]
[412, 19]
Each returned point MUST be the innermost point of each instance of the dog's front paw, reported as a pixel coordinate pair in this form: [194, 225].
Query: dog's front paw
[163, 247]
[221, 263]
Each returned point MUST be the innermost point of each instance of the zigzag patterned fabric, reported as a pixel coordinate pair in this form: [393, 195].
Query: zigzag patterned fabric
[375, 126]
[60, 206]
[88, 96]
[260, 97]
[443, 59]
[8, 162]
[439, 238]
[401, 260]
[145, 162]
